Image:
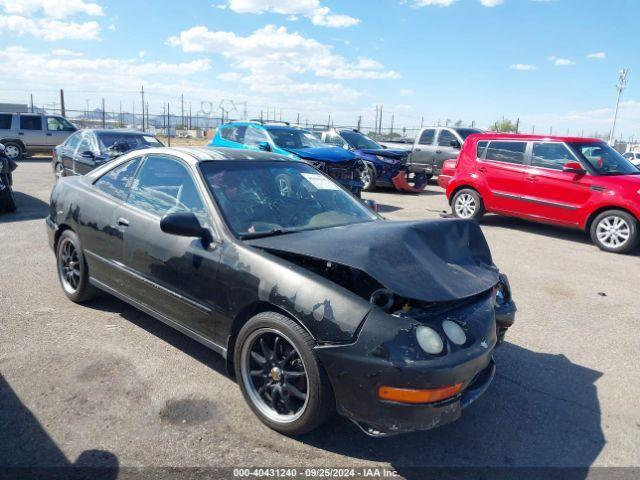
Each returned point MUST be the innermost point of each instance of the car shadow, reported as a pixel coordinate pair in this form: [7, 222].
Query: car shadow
[536, 228]
[46, 159]
[28, 208]
[109, 303]
[384, 208]
[542, 410]
[27, 450]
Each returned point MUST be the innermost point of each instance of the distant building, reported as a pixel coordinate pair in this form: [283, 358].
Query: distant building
[14, 107]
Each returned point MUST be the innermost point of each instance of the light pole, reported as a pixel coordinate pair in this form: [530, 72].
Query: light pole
[622, 83]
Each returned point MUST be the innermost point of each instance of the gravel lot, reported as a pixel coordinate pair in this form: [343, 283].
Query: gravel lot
[109, 381]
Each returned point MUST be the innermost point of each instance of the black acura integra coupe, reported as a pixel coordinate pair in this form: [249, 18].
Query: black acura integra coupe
[315, 301]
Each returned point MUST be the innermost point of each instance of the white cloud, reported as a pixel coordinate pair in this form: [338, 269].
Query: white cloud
[48, 29]
[561, 62]
[491, 3]
[597, 55]
[274, 49]
[433, 3]
[311, 9]
[58, 9]
[406, 91]
[522, 67]
[63, 52]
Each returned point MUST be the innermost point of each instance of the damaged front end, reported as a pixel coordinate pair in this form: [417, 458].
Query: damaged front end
[439, 307]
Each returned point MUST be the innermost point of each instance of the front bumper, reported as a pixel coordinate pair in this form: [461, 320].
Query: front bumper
[387, 355]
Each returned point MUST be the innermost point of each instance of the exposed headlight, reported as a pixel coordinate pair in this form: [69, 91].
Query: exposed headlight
[502, 290]
[385, 159]
[429, 340]
[454, 332]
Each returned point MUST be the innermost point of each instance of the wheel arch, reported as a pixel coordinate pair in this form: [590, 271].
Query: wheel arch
[243, 316]
[595, 213]
[61, 229]
[14, 140]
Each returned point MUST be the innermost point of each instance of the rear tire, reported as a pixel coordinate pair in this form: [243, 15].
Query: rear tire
[467, 204]
[58, 170]
[13, 150]
[280, 375]
[615, 231]
[72, 269]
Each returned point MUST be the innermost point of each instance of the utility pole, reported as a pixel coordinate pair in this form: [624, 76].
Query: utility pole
[329, 122]
[147, 116]
[189, 123]
[62, 109]
[622, 84]
[517, 125]
[103, 119]
[359, 122]
[375, 125]
[380, 122]
[298, 119]
[421, 122]
[142, 93]
[31, 102]
[121, 120]
[392, 119]
[168, 126]
[182, 106]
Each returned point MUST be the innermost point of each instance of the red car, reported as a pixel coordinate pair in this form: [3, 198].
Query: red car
[575, 182]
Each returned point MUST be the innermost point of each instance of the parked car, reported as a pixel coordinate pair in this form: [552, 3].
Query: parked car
[396, 332]
[87, 149]
[28, 133]
[577, 182]
[633, 157]
[296, 143]
[381, 164]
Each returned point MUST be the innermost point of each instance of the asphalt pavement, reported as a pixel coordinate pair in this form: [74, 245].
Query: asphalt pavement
[103, 384]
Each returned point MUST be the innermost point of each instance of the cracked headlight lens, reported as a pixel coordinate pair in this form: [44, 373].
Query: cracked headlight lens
[429, 340]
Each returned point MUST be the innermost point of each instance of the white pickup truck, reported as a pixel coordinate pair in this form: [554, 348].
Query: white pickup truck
[432, 147]
[23, 133]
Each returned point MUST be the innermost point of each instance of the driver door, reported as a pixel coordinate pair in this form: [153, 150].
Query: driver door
[84, 156]
[169, 274]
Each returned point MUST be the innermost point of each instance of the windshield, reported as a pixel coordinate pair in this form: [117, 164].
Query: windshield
[294, 138]
[123, 142]
[465, 132]
[259, 198]
[359, 141]
[604, 159]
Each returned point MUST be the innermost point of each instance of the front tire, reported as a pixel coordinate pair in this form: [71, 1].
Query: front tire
[615, 231]
[467, 204]
[58, 170]
[368, 178]
[72, 269]
[280, 375]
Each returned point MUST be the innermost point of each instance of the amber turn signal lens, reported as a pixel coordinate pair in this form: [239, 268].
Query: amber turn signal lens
[408, 395]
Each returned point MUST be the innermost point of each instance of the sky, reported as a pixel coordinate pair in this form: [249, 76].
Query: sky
[553, 64]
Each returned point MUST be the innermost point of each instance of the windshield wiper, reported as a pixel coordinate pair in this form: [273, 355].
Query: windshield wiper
[269, 233]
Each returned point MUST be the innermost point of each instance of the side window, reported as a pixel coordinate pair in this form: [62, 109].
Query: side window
[550, 155]
[254, 136]
[481, 147]
[59, 124]
[427, 137]
[116, 182]
[164, 185]
[334, 139]
[30, 122]
[86, 144]
[5, 121]
[72, 141]
[445, 138]
[509, 152]
[233, 134]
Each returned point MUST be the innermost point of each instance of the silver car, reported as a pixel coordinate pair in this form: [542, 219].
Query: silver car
[23, 133]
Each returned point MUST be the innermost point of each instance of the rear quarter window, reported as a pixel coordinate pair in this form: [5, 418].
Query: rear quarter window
[481, 148]
[233, 134]
[5, 121]
[507, 152]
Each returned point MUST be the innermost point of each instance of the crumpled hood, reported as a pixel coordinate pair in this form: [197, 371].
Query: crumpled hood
[327, 154]
[383, 152]
[431, 261]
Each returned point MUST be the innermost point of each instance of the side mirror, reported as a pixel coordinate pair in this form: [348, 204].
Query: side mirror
[372, 204]
[185, 224]
[573, 167]
[87, 154]
[455, 144]
[264, 146]
[384, 146]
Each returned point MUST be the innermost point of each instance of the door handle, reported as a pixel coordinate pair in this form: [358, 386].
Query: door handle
[20, 133]
[482, 169]
[123, 222]
[532, 178]
[417, 149]
[49, 134]
[438, 151]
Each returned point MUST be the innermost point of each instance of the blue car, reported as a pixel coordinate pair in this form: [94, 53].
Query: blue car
[296, 143]
[381, 164]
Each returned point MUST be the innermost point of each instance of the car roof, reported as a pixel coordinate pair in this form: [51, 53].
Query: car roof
[195, 155]
[122, 131]
[526, 137]
[274, 126]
